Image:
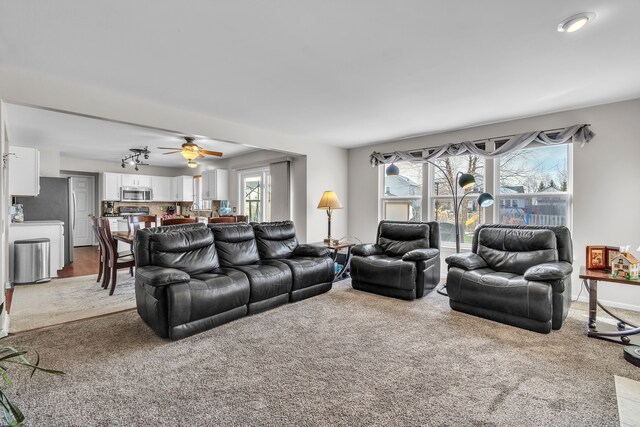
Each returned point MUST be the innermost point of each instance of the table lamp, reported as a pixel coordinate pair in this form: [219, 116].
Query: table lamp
[329, 201]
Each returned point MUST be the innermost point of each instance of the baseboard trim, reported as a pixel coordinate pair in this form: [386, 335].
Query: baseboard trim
[607, 303]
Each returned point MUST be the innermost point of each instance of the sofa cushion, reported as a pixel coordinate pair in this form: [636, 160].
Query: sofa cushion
[396, 239]
[501, 292]
[190, 250]
[515, 250]
[382, 270]
[267, 279]
[235, 243]
[276, 240]
[310, 271]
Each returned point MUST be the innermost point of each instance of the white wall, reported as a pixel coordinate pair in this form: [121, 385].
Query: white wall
[606, 200]
[49, 163]
[326, 165]
[83, 165]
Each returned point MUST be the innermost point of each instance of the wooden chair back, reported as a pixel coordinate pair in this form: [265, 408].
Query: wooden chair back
[222, 219]
[242, 218]
[136, 220]
[104, 229]
[101, 242]
[175, 221]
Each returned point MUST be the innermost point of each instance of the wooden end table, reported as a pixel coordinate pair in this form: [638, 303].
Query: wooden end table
[337, 248]
[622, 334]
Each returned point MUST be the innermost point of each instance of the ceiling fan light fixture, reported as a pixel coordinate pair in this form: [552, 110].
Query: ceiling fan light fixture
[192, 164]
[189, 154]
[576, 22]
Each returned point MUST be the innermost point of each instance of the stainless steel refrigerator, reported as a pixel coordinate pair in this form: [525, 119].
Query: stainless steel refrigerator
[55, 202]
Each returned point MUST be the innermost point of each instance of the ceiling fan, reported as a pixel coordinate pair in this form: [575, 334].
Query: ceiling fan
[191, 151]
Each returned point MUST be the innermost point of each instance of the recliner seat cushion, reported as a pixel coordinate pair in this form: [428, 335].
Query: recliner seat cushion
[207, 294]
[501, 292]
[515, 250]
[382, 270]
[236, 244]
[275, 240]
[396, 239]
[191, 250]
[267, 279]
[309, 271]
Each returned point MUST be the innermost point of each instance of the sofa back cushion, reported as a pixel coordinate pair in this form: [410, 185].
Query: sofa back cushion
[515, 250]
[142, 240]
[398, 238]
[235, 243]
[191, 251]
[276, 240]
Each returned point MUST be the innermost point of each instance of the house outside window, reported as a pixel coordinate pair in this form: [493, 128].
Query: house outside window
[402, 194]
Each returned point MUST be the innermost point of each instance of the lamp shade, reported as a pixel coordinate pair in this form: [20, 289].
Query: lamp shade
[392, 170]
[466, 180]
[329, 200]
[485, 200]
[189, 154]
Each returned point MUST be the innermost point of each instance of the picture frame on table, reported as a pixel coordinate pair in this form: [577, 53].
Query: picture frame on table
[610, 253]
[596, 257]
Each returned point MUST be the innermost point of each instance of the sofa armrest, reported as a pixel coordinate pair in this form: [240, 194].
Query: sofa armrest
[548, 271]
[311, 251]
[466, 261]
[152, 275]
[367, 249]
[421, 254]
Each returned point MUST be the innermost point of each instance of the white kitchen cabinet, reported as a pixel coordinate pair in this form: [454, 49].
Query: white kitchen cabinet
[215, 184]
[130, 180]
[24, 171]
[162, 189]
[183, 188]
[110, 184]
[52, 230]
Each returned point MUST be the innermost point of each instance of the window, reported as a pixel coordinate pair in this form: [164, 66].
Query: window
[255, 194]
[534, 186]
[402, 193]
[198, 203]
[441, 200]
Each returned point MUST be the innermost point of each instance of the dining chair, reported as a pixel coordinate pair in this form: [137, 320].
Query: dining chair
[175, 221]
[135, 222]
[103, 262]
[116, 260]
[242, 218]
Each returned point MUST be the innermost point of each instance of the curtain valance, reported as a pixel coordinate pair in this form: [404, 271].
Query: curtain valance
[580, 134]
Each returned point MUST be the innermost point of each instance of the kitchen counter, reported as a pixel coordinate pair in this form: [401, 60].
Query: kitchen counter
[37, 223]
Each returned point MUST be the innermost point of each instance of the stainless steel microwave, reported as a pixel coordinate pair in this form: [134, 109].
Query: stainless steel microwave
[135, 194]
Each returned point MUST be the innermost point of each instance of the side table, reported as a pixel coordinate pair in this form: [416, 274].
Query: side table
[625, 330]
[336, 248]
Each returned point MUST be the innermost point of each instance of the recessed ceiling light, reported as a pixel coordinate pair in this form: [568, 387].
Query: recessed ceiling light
[575, 22]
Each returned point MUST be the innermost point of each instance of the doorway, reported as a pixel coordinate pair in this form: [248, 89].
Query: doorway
[83, 205]
[255, 194]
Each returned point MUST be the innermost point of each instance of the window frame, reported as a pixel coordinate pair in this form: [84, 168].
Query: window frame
[265, 200]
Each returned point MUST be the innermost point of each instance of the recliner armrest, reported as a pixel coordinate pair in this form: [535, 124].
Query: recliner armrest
[311, 251]
[152, 275]
[420, 254]
[466, 261]
[548, 271]
[367, 249]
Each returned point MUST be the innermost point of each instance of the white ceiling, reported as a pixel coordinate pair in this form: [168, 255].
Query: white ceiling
[334, 71]
[95, 139]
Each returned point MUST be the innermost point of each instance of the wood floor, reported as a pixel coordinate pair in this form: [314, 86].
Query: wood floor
[85, 261]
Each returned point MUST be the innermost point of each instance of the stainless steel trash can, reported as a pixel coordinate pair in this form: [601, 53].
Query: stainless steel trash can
[31, 261]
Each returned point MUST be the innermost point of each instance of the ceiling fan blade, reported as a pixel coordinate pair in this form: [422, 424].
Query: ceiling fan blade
[212, 153]
[172, 152]
[166, 148]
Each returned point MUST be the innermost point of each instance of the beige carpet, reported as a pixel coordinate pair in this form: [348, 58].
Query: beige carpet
[345, 358]
[64, 300]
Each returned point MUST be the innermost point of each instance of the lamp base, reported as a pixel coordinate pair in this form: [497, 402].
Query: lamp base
[331, 242]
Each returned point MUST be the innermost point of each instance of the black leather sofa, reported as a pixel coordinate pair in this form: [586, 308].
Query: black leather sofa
[403, 263]
[518, 275]
[190, 278]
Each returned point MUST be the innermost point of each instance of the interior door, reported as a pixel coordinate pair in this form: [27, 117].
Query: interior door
[4, 216]
[82, 195]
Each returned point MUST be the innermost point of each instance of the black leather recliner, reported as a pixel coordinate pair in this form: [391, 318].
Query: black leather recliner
[311, 267]
[181, 289]
[518, 275]
[403, 263]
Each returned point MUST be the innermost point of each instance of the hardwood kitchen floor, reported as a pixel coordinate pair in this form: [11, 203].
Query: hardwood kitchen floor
[86, 260]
